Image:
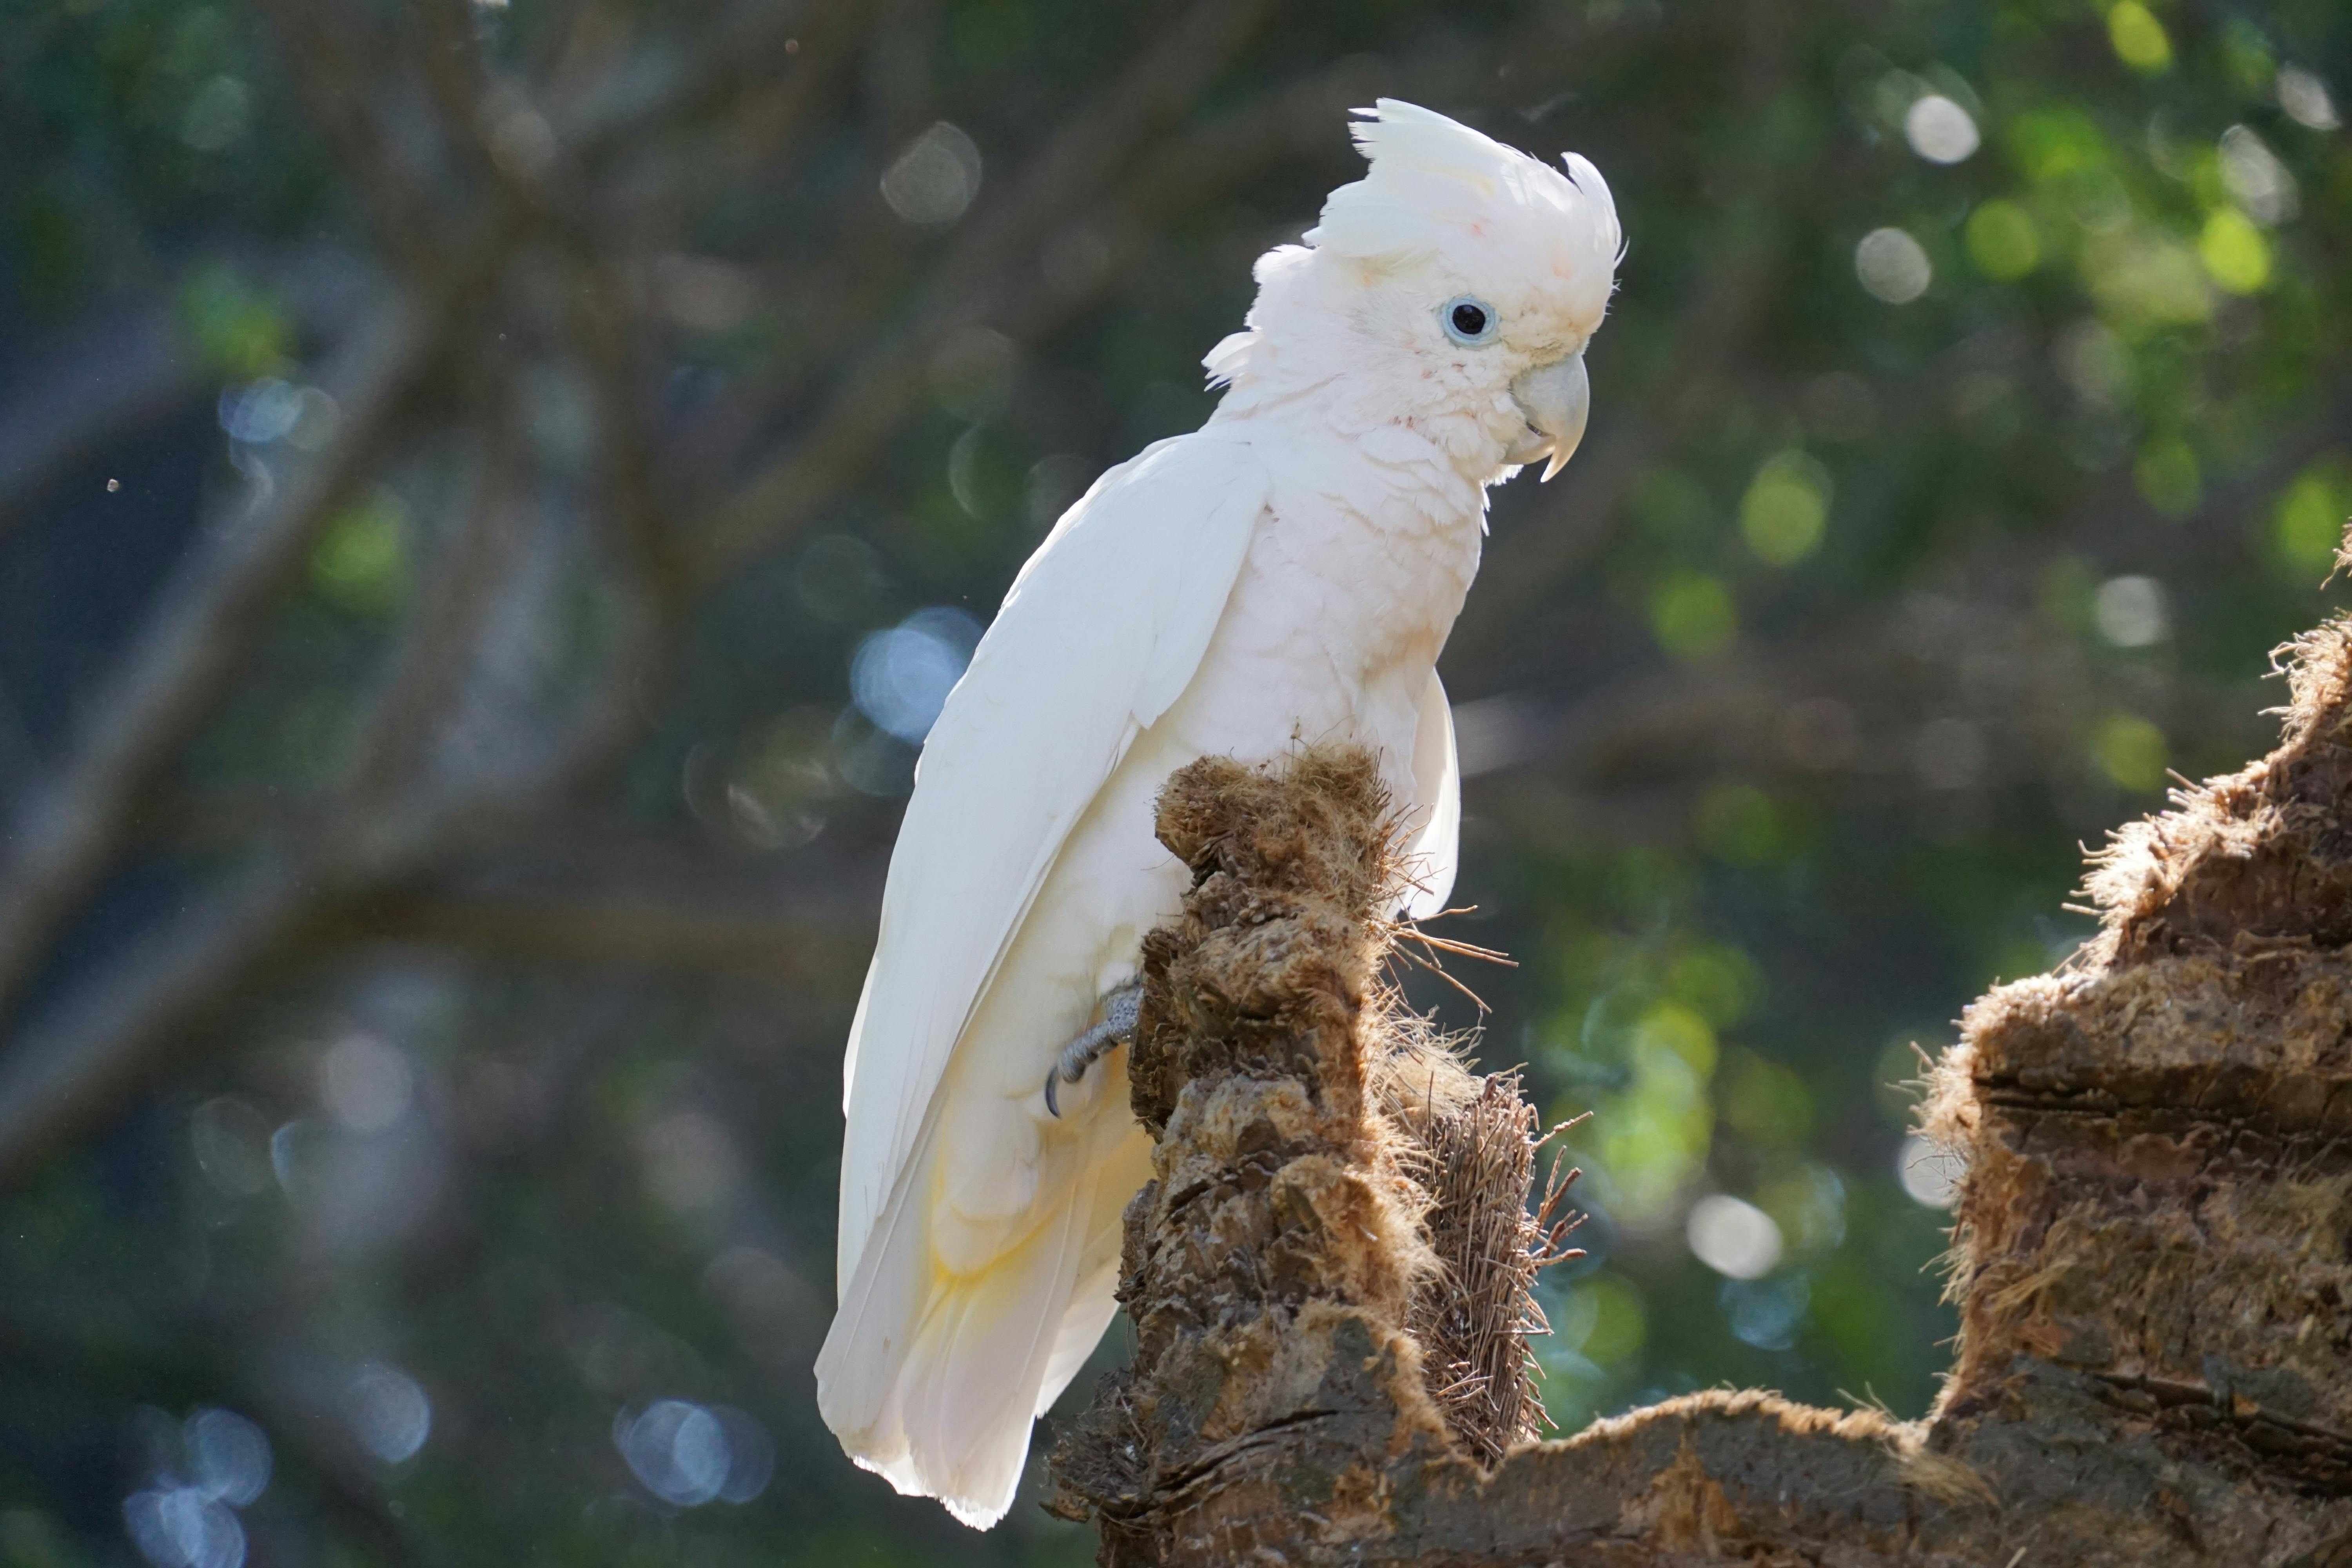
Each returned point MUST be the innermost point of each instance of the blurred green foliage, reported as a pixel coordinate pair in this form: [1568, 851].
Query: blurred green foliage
[361, 562]
[1893, 568]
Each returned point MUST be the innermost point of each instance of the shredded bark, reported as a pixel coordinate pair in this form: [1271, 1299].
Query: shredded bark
[2156, 1210]
[1331, 1270]
[1476, 1158]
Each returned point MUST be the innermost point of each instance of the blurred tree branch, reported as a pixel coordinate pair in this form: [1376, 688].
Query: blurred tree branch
[969, 283]
[65, 838]
[389, 826]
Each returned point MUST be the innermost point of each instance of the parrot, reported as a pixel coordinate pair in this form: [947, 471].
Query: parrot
[1283, 576]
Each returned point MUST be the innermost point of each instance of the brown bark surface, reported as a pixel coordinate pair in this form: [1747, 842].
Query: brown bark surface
[1328, 1272]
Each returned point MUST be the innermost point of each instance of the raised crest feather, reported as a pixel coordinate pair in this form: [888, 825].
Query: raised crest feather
[1433, 180]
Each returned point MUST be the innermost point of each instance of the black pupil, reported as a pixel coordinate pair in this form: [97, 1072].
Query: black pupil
[1469, 320]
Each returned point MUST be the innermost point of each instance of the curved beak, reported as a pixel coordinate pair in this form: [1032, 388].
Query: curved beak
[1556, 400]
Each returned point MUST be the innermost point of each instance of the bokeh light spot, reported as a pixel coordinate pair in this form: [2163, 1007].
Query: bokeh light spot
[901, 677]
[2145, 280]
[2138, 39]
[935, 179]
[1733, 1237]
[2093, 362]
[2308, 527]
[690, 1162]
[1785, 509]
[2261, 185]
[182, 1527]
[1618, 1321]
[688, 1455]
[228, 1455]
[1766, 1313]
[1809, 1206]
[1717, 982]
[778, 777]
[238, 332]
[751, 1454]
[2130, 751]
[1651, 1139]
[678, 1450]
[388, 1411]
[1939, 130]
[366, 1084]
[2002, 241]
[1670, 1032]
[360, 564]
[2133, 612]
[2057, 141]
[260, 412]
[299, 1156]
[1692, 614]
[521, 141]
[2307, 100]
[1892, 265]
[1929, 1171]
[2235, 253]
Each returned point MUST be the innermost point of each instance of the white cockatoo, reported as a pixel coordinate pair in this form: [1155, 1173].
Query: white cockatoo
[1285, 574]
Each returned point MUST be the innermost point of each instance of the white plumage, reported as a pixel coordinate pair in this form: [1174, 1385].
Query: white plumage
[1285, 574]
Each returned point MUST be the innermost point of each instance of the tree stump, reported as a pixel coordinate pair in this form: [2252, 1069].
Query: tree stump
[2150, 1261]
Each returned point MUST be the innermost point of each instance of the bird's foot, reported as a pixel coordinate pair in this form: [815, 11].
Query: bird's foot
[1117, 1029]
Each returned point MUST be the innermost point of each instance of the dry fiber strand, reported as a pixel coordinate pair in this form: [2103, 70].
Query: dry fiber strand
[1331, 1299]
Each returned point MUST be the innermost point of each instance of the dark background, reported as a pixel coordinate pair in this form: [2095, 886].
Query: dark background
[490, 495]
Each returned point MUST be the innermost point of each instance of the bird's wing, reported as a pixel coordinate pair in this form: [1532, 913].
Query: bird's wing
[1437, 778]
[1100, 633]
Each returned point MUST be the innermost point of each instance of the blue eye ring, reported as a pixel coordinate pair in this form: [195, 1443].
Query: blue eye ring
[1470, 321]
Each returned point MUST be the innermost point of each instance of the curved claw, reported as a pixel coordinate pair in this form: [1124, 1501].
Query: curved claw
[1120, 1009]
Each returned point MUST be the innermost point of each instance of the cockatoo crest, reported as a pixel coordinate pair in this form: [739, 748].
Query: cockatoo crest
[1436, 186]
[1443, 215]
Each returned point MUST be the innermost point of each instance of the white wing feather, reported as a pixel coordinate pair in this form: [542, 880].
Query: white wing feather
[1437, 777]
[1054, 697]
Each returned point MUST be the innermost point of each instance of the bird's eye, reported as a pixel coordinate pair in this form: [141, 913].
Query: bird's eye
[1470, 323]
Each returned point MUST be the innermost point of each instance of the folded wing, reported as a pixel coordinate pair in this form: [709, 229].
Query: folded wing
[1437, 847]
[1100, 633]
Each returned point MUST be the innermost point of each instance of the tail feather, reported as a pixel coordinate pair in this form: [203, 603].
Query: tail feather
[931, 1380]
[1092, 1301]
[979, 1361]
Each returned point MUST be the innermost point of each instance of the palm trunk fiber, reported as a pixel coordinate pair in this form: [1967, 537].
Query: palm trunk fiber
[1328, 1272]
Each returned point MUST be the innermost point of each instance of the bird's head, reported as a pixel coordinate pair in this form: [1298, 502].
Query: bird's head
[1458, 277]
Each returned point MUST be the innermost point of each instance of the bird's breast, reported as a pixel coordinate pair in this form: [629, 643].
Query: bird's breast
[1345, 597]
[1368, 569]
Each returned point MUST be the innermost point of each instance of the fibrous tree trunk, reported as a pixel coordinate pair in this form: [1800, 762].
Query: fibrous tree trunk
[1329, 1273]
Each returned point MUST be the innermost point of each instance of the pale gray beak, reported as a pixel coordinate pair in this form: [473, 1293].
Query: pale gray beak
[1556, 400]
